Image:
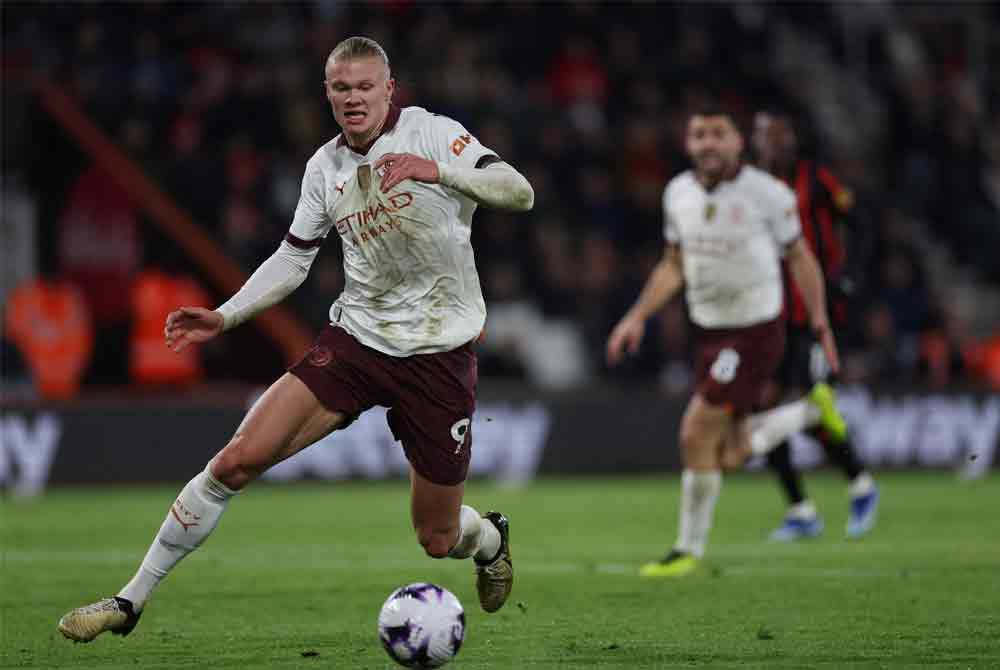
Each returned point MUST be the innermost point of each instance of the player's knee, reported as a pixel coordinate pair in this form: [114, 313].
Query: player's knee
[436, 542]
[230, 467]
[697, 452]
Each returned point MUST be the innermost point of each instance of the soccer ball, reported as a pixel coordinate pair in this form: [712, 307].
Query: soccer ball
[421, 625]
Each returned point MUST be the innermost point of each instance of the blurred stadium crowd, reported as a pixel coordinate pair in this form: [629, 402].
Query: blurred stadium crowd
[222, 104]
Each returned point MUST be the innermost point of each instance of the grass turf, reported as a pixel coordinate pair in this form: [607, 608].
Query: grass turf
[294, 577]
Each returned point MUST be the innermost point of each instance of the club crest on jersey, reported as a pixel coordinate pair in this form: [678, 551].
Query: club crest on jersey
[709, 212]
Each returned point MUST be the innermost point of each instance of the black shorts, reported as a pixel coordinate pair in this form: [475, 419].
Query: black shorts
[804, 363]
[431, 397]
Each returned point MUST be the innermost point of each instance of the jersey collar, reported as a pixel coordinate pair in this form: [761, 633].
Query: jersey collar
[726, 179]
[391, 119]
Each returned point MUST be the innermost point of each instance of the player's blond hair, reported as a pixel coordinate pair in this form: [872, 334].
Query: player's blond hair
[355, 48]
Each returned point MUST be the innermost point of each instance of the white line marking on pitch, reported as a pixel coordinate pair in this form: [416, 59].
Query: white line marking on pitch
[529, 567]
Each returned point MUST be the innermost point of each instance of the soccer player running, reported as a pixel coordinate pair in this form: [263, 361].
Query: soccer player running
[399, 186]
[727, 226]
[824, 205]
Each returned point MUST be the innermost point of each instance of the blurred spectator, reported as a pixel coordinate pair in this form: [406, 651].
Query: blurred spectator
[49, 322]
[984, 360]
[942, 348]
[156, 293]
[99, 250]
[577, 75]
[243, 230]
[903, 291]
[191, 174]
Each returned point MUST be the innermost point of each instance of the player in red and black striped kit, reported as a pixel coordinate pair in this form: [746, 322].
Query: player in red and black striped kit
[825, 207]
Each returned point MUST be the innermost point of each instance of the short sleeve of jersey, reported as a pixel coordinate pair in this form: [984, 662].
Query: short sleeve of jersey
[670, 231]
[452, 144]
[783, 214]
[311, 223]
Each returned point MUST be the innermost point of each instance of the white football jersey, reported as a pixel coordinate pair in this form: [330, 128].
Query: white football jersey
[411, 282]
[731, 239]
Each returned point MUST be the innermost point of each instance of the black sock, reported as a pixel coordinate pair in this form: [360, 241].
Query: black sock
[780, 460]
[841, 454]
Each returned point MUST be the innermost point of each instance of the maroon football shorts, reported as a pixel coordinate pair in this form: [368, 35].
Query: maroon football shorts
[734, 365]
[431, 397]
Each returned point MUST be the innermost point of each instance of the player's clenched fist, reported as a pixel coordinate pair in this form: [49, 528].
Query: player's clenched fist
[406, 166]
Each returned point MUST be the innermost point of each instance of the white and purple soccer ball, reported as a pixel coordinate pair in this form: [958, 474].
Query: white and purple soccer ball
[421, 625]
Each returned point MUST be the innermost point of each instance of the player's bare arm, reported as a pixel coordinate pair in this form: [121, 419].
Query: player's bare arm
[664, 281]
[497, 185]
[808, 277]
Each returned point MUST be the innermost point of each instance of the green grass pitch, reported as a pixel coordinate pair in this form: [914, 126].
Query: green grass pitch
[295, 575]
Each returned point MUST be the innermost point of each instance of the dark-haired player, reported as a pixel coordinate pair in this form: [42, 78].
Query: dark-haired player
[823, 205]
[727, 226]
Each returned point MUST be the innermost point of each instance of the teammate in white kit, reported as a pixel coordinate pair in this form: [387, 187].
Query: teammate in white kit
[726, 227]
[399, 186]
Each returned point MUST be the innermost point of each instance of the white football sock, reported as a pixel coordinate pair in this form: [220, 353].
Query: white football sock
[771, 428]
[699, 493]
[192, 517]
[477, 537]
[861, 485]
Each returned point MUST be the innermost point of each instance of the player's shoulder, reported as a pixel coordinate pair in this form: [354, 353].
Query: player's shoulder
[761, 183]
[416, 114]
[754, 177]
[681, 183]
[326, 156]
[418, 117]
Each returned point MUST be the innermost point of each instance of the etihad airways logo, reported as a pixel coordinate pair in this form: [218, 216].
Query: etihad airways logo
[364, 225]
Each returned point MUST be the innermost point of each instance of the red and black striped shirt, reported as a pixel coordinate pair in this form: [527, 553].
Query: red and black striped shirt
[823, 205]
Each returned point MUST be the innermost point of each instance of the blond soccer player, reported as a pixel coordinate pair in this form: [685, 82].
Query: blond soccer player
[398, 187]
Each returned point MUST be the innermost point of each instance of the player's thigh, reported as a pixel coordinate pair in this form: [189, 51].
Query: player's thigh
[704, 428]
[434, 400]
[285, 419]
[435, 510]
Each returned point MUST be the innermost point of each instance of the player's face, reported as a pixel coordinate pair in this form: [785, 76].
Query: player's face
[714, 145]
[774, 140]
[359, 92]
